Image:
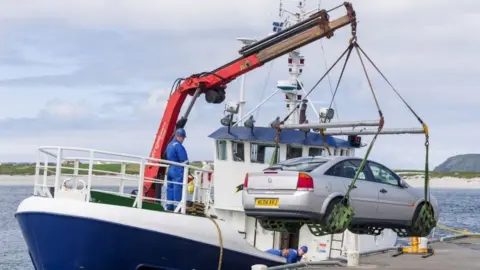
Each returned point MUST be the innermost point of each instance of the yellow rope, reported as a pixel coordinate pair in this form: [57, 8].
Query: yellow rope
[325, 144]
[464, 231]
[220, 240]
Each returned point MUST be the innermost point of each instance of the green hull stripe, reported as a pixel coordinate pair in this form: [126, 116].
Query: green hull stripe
[119, 200]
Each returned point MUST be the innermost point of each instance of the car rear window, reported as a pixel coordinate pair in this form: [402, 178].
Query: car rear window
[299, 165]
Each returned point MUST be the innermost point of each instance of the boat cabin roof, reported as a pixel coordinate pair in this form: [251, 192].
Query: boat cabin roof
[267, 135]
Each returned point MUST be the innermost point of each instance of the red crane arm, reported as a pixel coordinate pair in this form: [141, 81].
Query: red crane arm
[213, 83]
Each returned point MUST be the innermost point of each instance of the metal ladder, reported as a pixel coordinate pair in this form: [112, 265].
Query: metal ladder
[336, 244]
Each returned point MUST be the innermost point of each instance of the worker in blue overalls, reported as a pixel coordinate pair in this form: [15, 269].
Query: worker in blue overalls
[296, 255]
[290, 254]
[176, 153]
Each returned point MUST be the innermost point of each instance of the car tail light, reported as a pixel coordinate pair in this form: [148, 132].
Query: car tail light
[304, 181]
[245, 182]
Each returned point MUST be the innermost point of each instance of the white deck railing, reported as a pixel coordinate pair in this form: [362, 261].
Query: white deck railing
[72, 172]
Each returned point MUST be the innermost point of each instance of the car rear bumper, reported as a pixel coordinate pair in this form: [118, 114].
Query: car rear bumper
[297, 205]
[282, 214]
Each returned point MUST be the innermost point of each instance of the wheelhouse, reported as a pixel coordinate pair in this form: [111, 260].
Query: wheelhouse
[242, 149]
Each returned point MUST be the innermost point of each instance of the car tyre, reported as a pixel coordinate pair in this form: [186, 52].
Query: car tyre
[413, 230]
[327, 217]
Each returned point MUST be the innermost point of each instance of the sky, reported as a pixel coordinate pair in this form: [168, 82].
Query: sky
[97, 74]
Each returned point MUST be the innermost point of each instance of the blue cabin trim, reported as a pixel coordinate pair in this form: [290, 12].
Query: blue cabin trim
[267, 135]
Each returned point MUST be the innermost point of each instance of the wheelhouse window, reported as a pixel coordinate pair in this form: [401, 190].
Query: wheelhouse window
[342, 152]
[314, 151]
[294, 151]
[347, 169]
[347, 152]
[238, 150]
[262, 153]
[302, 164]
[336, 152]
[221, 150]
[382, 174]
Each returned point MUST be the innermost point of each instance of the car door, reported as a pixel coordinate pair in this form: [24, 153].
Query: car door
[394, 202]
[364, 195]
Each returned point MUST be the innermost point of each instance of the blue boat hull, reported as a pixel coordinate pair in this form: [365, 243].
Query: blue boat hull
[66, 242]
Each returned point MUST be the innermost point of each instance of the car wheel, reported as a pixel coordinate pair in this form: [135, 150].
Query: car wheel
[336, 218]
[329, 218]
[330, 207]
[418, 228]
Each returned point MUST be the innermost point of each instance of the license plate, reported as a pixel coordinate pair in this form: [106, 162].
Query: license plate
[267, 202]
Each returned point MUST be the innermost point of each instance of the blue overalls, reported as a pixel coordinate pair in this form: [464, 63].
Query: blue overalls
[176, 153]
[273, 251]
[292, 256]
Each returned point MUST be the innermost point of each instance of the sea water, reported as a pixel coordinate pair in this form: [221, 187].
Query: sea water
[459, 210]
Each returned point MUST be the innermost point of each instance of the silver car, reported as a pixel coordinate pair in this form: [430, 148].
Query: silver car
[302, 190]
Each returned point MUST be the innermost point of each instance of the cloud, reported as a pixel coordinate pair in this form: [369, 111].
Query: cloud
[186, 15]
[99, 75]
[65, 110]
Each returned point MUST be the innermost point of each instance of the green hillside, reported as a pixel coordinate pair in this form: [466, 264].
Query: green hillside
[460, 163]
[29, 169]
[437, 174]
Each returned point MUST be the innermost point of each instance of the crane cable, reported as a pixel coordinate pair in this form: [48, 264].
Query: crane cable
[265, 83]
[329, 80]
[330, 84]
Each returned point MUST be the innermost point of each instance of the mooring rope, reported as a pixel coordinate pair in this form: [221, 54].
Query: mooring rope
[220, 242]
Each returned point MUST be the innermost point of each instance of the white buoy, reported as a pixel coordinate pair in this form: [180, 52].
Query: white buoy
[259, 267]
[423, 242]
[353, 258]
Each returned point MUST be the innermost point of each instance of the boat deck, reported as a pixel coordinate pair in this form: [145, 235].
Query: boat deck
[459, 253]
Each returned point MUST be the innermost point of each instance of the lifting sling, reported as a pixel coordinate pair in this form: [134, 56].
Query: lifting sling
[425, 221]
[342, 213]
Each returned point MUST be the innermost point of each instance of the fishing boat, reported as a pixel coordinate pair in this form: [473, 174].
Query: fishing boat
[72, 222]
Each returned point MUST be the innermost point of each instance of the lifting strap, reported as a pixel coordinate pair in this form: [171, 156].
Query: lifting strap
[380, 126]
[425, 127]
[425, 221]
[274, 158]
[322, 130]
[324, 139]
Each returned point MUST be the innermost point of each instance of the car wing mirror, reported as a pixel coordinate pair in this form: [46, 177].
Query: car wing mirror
[402, 183]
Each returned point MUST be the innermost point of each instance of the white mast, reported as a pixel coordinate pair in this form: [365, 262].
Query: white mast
[296, 62]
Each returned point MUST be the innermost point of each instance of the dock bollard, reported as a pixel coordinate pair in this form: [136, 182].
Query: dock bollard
[353, 258]
[259, 267]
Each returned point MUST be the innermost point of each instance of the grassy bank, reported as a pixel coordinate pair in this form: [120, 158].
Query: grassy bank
[434, 174]
[13, 169]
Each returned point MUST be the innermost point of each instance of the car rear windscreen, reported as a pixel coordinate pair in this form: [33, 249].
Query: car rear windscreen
[304, 165]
